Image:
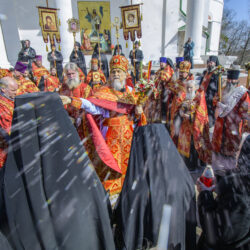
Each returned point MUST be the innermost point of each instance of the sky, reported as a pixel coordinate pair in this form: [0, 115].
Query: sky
[241, 8]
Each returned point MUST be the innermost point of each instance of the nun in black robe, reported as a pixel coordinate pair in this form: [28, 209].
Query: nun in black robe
[78, 58]
[156, 176]
[118, 50]
[53, 197]
[104, 60]
[56, 62]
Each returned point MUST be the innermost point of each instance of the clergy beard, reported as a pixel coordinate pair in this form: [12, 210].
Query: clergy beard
[73, 83]
[118, 85]
[210, 68]
[228, 90]
[94, 67]
[190, 96]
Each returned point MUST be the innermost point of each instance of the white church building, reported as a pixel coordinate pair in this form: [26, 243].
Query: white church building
[166, 25]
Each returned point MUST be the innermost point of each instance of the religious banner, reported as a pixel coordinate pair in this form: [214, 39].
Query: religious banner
[49, 24]
[131, 21]
[95, 25]
[73, 27]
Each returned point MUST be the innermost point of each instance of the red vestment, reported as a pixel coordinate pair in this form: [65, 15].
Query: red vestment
[4, 73]
[38, 72]
[129, 81]
[114, 151]
[174, 88]
[6, 113]
[25, 86]
[228, 128]
[205, 82]
[81, 91]
[96, 76]
[51, 84]
[81, 75]
[195, 125]
[163, 77]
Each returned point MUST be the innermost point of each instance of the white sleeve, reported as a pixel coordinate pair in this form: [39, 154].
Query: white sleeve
[93, 109]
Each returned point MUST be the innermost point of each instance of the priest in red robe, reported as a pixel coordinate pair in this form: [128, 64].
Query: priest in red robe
[38, 70]
[191, 127]
[233, 111]
[175, 89]
[24, 85]
[52, 83]
[95, 77]
[163, 77]
[74, 87]
[8, 89]
[120, 111]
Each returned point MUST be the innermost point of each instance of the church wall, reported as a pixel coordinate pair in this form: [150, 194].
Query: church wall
[171, 29]
[152, 26]
[161, 20]
[10, 29]
[4, 63]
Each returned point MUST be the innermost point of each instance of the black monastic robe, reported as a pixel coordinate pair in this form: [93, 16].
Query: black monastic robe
[53, 197]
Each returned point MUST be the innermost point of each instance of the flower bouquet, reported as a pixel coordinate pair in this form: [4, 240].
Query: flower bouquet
[144, 88]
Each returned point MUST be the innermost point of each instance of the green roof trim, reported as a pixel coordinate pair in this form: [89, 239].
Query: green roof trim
[182, 28]
[181, 10]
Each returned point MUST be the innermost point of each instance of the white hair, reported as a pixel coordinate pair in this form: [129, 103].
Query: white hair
[5, 81]
[72, 83]
[71, 66]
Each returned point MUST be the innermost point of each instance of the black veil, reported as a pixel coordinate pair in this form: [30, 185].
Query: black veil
[156, 176]
[53, 197]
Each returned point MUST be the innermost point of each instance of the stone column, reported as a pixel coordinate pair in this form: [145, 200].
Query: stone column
[195, 10]
[216, 8]
[67, 40]
[4, 63]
